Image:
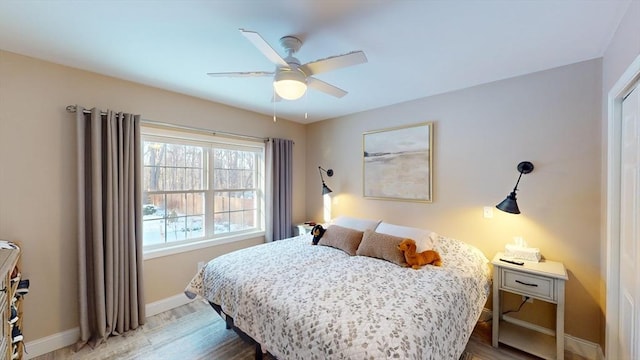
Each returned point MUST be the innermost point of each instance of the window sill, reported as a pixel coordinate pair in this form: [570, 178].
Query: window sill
[180, 248]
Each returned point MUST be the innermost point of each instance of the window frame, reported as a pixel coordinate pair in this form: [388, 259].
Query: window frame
[209, 142]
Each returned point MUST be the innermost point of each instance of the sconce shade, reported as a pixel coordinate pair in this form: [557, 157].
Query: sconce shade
[290, 84]
[325, 188]
[510, 204]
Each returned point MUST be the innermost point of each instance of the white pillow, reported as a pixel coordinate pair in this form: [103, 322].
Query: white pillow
[355, 223]
[425, 239]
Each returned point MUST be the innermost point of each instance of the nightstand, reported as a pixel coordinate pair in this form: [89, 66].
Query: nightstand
[303, 229]
[544, 281]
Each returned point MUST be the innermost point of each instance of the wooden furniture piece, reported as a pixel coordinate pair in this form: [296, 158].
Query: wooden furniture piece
[8, 261]
[544, 281]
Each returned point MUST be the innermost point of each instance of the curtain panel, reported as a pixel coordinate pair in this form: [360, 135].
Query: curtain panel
[279, 185]
[109, 225]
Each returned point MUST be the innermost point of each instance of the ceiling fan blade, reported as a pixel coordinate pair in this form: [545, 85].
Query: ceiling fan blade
[242, 74]
[334, 62]
[264, 47]
[325, 87]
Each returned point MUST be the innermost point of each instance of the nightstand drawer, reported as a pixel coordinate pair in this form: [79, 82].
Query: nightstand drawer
[528, 284]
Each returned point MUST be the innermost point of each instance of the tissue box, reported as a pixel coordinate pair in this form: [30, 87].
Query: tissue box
[523, 253]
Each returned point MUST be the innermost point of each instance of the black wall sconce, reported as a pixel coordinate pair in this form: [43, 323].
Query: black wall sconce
[325, 188]
[509, 204]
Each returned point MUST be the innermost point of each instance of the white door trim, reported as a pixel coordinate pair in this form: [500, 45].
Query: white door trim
[614, 125]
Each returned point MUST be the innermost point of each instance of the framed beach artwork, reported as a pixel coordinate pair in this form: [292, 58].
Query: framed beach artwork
[397, 163]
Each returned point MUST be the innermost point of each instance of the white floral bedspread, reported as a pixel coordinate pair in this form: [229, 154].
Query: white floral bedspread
[301, 301]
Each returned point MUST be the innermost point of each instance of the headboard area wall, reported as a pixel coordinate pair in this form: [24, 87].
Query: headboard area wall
[480, 134]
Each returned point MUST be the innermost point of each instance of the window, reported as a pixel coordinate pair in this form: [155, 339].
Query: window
[199, 188]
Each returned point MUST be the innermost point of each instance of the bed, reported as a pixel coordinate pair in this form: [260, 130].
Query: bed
[303, 301]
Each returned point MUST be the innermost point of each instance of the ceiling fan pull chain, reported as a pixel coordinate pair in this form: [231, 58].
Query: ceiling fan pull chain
[306, 107]
[274, 103]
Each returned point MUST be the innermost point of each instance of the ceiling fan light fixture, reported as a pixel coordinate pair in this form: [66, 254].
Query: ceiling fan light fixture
[290, 84]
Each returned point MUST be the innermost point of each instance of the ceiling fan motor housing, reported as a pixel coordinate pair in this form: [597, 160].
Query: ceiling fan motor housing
[291, 44]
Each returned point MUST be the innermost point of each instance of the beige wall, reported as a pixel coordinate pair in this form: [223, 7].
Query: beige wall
[551, 118]
[38, 176]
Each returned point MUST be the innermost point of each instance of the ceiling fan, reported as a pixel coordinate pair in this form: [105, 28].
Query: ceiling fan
[290, 78]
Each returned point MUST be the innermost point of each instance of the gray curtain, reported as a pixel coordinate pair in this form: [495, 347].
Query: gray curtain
[109, 225]
[280, 184]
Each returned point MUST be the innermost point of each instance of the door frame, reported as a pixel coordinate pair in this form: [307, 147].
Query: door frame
[614, 132]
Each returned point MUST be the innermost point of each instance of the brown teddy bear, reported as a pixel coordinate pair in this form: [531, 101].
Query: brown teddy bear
[417, 260]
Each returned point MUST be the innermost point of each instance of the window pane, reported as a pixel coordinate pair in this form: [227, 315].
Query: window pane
[237, 157]
[175, 155]
[195, 227]
[248, 179]
[153, 178]
[153, 221]
[221, 202]
[221, 223]
[153, 231]
[235, 179]
[249, 219]
[221, 179]
[236, 221]
[194, 179]
[249, 161]
[176, 204]
[235, 201]
[249, 202]
[174, 178]
[176, 227]
[221, 159]
[242, 220]
[153, 205]
[195, 204]
[153, 153]
[193, 156]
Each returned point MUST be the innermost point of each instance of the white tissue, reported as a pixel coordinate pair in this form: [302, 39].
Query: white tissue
[519, 250]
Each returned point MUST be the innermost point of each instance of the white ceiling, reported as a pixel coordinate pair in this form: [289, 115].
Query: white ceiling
[415, 48]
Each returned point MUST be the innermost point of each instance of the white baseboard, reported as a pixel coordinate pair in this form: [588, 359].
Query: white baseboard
[167, 304]
[57, 341]
[51, 343]
[584, 348]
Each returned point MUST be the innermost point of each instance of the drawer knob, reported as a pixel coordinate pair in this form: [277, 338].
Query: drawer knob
[527, 284]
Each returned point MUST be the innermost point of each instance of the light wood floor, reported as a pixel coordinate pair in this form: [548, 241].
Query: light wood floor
[195, 331]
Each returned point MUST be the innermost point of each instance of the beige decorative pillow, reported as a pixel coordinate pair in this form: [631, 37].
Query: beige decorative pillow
[382, 246]
[342, 238]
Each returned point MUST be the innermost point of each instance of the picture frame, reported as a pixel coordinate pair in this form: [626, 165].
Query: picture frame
[397, 163]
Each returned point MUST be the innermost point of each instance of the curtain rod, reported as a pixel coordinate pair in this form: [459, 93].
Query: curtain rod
[73, 109]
